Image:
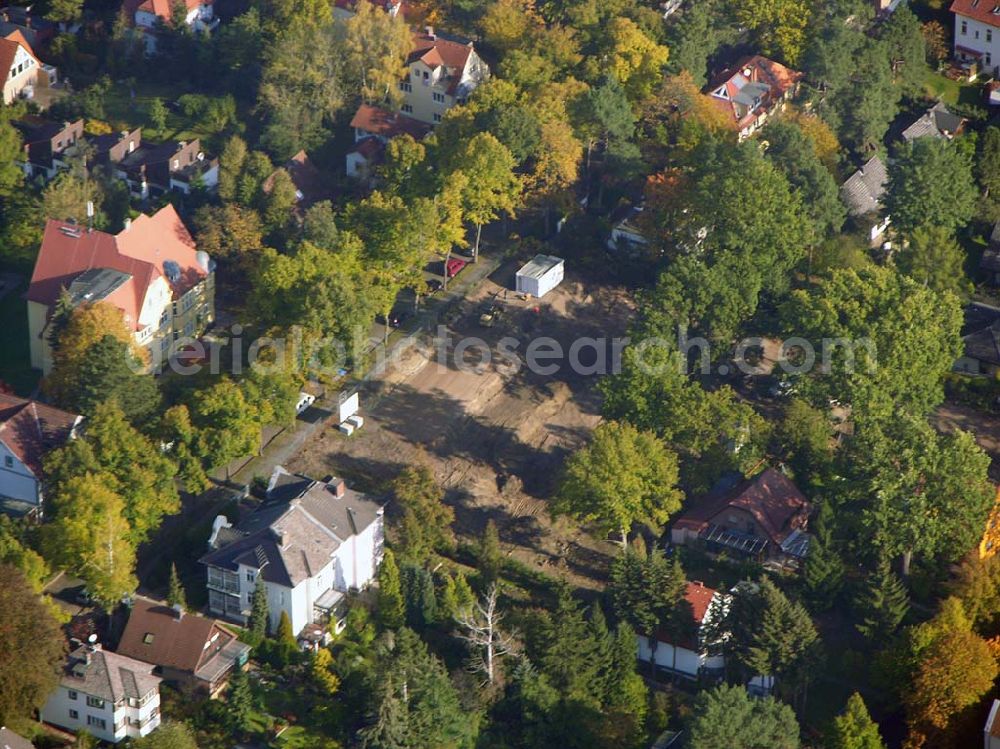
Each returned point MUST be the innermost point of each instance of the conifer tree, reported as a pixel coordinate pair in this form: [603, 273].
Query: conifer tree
[285, 633]
[603, 644]
[259, 613]
[625, 690]
[239, 701]
[882, 604]
[854, 728]
[465, 599]
[568, 660]
[175, 591]
[391, 608]
[823, 575]
[490, 557]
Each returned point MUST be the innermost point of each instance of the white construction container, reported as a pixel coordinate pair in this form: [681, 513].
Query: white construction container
[540, 275]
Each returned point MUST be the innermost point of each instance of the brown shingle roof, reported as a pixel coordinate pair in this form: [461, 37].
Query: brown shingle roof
[385, 124]
[155, 635]
[30, 429]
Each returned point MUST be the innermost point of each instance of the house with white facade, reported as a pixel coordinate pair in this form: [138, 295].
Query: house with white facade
[373, 128]
[108, 695]
[28, 430]
[977, 33]
[149, 15]
[151, 271]
[311, 543]
[752, 91]
[18, 66]
[697, 654]
[442, 72]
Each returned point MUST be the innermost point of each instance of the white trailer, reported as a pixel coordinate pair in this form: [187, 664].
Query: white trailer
[540, 275]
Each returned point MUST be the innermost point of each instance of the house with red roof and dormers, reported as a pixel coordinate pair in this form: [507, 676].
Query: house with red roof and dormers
[694, 651]
[751, 91]
[150, 270]
[442, 72]
[28, 431]
[149, 15]
[764, 517]
[18, 66]
[977, 33]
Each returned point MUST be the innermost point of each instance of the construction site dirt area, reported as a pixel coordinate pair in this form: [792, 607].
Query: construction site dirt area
[494, 430]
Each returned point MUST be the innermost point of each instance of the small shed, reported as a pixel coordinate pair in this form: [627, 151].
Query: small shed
[540, 275]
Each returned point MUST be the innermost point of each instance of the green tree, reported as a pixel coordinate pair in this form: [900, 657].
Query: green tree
[936, 260]
[11, 176]
[622, 477]
[279, 202]
[156, 114]
[493, 187]
[175, 591]
[15, 552]
[123, 460]
[259, 613]
[806, 434]
[930, 185]
[426, 521]
[882, 605]
[31, 648]
[177, 431]
[109, 370]
[728, 716]
[91, 536]
[285, 634]
[987, 167]
[904, 41]
[779, 26]
[64, 11]
[567, 654]
[231, 163]
[854, 728]
[169, 735]
[391, 607]
[239, 701]
[823, 573]
[227, 426]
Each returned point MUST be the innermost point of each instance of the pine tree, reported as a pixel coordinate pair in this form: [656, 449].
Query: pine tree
[391, 608]
[854, 728]
[490, 557]
[239, 701]
[175, 591]
[448, 599]
[428, 599]
[567, 659]
[259, 613]
[323, 678]
[602, 650]
[823, 575]
[626, 698]
[882, 605]
[285, 634]
[465, 599]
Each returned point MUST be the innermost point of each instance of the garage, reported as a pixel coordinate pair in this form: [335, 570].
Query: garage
[540, 275]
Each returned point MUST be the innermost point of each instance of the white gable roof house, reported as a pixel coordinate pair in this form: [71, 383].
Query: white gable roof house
[310, 541]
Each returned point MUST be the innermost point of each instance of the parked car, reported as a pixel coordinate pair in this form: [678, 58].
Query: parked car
[305, 400]
[454, 266]
[491, 314]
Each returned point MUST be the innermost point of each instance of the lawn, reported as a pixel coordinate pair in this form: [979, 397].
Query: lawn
[15, 363]
[938, 86]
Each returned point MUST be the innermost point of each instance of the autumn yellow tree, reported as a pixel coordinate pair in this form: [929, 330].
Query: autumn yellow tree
[82, 328]
[822, 136]
[507, 23]
[779, 26]
[376, 45]
[634, 59]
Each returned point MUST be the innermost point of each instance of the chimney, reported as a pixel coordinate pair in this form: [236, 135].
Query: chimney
[128, 224]
[430, 32]
[178, 611]
[337, 487]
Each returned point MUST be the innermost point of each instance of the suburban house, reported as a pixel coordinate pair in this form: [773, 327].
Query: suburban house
[47, 144]
[11, 740]
[977, 33]
[149, 15]
[442, 73]
[152, 170]
[862, 194]
[112, 148]
[151, 271]
[344, 9]
[28, 430]
[309, 184]
[194, 652]
[764, 517]
[980, 341]
[21, 70]
[752, 91]
[373, 128]
[106, 694]
[991, 731]
[311, 542]
[697, 654]
[936, 122]
[36, 30]
[989, 264]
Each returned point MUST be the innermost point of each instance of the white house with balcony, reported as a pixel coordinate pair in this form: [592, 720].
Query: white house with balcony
[150, 15]
[977, 33]
[311, 542]
[108, 695]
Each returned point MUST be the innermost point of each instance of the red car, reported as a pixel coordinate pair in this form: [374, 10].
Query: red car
[454, 266]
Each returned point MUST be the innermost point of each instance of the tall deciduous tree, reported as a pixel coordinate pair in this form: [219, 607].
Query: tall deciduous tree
[169, 735]
[481, 628]
[779, 25]
[622, 477]
[634, 59]
[109, 370]
[228, 427]
[936, 260]
[376, 44]
[31, 648]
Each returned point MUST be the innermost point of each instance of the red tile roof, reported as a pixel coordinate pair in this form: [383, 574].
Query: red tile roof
[984, 11]
[387, 124]
[700, 597]
[140, 251]
[30, 429]
[435, 51]
[185, 644]
[755, 69]
[164, 8]
[308, 180]
[8, 50]
[775, 502]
